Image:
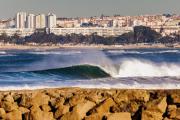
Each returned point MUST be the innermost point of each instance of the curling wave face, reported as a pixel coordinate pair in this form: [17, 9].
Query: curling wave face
[78, 71]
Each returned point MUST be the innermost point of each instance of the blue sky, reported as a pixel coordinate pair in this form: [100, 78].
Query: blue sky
[74, 8]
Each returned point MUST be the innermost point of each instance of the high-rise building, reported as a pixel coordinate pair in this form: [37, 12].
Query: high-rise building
[40, 21]
[51, 20]
[20, 20]
[30, 21]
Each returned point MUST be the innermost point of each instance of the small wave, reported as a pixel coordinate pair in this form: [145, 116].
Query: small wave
[7, 55]
[56, 53]
[142, 52]
[123, 52]
[169, 51]
[2, 52]
[104, 83]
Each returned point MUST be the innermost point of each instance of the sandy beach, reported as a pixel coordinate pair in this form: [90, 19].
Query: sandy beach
[90, 104]
[68, 46]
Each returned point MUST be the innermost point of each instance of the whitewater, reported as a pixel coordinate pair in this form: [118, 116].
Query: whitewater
[87, 68]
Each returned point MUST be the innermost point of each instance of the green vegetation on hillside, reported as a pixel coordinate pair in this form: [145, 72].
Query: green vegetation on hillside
[141, 34]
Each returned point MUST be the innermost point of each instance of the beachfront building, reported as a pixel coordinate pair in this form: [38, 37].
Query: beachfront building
[51, 20]
[40, 21]
[20, 20]
[167, 30]
[109, 31]
[21, 32]
[68, 22]
[30, 23]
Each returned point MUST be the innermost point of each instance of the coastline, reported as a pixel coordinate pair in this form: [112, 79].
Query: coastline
[81, 46]
[90, 104]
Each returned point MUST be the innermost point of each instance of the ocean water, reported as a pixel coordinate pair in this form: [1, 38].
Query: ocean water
[90, 68]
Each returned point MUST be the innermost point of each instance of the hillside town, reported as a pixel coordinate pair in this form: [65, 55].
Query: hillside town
[25, 24]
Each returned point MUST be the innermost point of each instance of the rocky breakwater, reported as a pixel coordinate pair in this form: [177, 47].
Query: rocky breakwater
[90, 104]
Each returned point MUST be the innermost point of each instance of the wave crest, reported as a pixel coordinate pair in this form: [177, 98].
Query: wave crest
[143, 68]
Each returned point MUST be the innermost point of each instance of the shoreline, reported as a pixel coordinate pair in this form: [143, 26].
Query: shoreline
[90, 104]
[81, 88]
[120, 47]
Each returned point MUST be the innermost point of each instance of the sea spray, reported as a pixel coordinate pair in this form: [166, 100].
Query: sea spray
[54, 60]
[145, 68]
[133, 69]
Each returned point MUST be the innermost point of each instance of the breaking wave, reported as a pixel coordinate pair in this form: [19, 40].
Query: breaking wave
[142, 52]
[144, 68]
[126, 68]
[78, 71]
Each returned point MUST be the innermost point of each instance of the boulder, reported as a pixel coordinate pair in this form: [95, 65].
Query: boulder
[37, 114]
[40, 99]
[9, 106]
[47, 116]
[139, 95]
[70, 116]
[53, 93]
[151, 115]
[36, 99]
[166, 118]
[94, 116]
[155, 109]
[94, 97]
[158, 105]
[119, 116]
[57, 102]
[79, 111]
[24, 110]
[104, 107]
[61, 110]
[83, 108]
[8, 98]
[175, 98]
[46, 108]
[16, 96]
[131, 95]
[178, 113]
[26, 100]
[171, 111]
[2, 113]
[121, 98]
[134, 106]
[76, 100]
[14, 115]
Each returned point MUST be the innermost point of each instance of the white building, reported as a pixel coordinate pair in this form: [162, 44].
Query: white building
[40, 21]
[51, 20]
[30, 22]
[109, 31]
[20, 20]
[21, 32]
